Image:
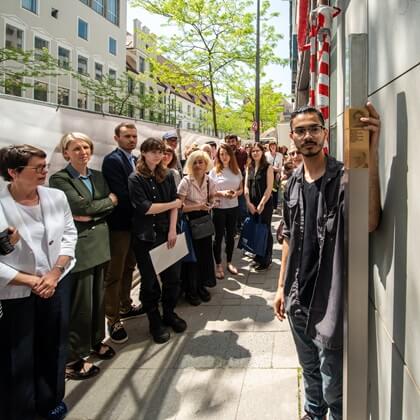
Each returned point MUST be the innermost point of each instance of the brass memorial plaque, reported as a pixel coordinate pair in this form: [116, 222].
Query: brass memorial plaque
[356, 139]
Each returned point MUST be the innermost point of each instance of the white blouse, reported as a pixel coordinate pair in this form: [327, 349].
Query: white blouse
[226, 180]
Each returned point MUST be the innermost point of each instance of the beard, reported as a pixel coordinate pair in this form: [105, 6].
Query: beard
[316, 149]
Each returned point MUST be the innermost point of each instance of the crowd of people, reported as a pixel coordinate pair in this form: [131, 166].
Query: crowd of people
[75, 244]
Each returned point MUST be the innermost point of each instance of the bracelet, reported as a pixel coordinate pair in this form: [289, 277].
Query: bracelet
[60, 267]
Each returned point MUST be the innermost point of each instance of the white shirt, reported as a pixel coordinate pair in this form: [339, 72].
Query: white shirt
[226, 180]
[276, 161]
[32, 216]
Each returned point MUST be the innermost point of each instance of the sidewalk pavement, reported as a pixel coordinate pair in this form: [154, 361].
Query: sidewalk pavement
[234, 362]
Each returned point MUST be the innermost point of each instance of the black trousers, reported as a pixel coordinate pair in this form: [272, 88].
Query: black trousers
[224, 221]
[33, 354]
[150, 290]
[266, 217]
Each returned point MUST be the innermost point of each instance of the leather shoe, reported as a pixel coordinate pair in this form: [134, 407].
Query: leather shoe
[160, 335]
[175, 322]
[204, 294]
[192, 299]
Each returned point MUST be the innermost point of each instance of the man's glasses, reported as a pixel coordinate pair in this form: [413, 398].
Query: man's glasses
[313, 130]
[292, 154]
[38, 169]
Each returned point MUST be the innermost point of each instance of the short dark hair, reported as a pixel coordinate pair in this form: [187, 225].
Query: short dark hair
[306, 110]
[123, 125]
[231, 137]
[17, 157]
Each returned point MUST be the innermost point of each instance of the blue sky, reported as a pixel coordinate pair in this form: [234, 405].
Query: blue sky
[280, 75]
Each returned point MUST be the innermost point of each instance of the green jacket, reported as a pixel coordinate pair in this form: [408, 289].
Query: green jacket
[92, 246]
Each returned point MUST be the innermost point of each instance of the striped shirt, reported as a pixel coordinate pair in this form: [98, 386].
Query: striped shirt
[194, 193]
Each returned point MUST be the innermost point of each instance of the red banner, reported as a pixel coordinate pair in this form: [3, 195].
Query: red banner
[302, 22]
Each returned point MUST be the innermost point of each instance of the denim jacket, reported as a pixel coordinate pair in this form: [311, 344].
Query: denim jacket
[325, 315]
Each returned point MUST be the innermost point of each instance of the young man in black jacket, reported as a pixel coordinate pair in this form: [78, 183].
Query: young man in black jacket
[310, 287]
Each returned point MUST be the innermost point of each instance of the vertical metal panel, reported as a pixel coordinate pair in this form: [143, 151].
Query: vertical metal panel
[355, 401]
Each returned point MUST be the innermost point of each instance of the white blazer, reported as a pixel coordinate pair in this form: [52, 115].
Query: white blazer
[60, 232]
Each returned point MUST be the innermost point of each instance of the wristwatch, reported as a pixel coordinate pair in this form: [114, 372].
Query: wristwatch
[60, 267]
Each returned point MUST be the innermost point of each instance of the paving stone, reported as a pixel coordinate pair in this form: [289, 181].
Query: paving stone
[268, 394]
[236, 318]
[284, 353]
[266, 321]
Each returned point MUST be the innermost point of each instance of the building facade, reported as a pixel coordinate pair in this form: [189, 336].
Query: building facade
[391, 76]
[85, 35]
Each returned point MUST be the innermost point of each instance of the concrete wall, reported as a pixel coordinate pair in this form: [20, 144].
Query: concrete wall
[393, 87]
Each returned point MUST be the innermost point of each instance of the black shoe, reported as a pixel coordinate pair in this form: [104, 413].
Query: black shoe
[103, 351]
[192, 299]
[58, 413]
[134, 312]
[204, 294]
[175, 322]
[260, 268]
[117, 333]
[158, 331]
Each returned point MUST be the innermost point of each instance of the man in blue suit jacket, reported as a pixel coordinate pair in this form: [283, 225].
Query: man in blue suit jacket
[116, 168]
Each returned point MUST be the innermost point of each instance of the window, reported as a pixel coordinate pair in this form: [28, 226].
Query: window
[98, 71]
[39, 45]
[98, 6]
[112, 46]
[13, 86]
[130, 85]
[30, 5]
[142, 65]
[188, 126]
[180, 107]
[111, 108]
[112, 11]
[63, 96]
[189, 110]
[112, 75]
[150, 68]
[14, 37]
[82, 99]
[142, 88]
[82, 65]
[99, 104]
[85, 2]
[142, 113]
[40, 91]
[193, 111]
[63, 58]
[130, 111]
[82, 29]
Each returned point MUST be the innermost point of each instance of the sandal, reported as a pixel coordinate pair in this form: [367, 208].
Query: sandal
[78, 372]
[220, 274]
[103, 351]
[232, 269]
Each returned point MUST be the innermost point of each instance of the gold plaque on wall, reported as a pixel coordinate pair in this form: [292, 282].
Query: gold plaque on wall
[356, 139]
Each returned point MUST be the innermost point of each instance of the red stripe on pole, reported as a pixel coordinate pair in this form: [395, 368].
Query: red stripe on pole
[324, 68]
[303, 9]
[323, 90]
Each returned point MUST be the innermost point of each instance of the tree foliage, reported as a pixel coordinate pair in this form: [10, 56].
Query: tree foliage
[214, 42]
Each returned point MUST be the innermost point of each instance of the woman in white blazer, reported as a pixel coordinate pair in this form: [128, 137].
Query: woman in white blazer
[33, 282]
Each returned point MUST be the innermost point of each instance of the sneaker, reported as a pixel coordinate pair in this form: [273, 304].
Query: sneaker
[117, 333]
[58, 412]
[134, 312]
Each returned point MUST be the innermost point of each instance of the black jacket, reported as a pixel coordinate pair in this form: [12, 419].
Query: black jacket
[325, 317]
[143, 193]
[116, 169]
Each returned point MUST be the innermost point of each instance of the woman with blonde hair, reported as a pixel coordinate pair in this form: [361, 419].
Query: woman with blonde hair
[196, 191]
[90, 202]
[153, 196]
[227, 178]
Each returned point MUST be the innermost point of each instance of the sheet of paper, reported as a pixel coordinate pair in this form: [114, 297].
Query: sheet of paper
[162, 257]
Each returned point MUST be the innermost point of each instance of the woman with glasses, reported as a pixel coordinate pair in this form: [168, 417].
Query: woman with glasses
[228, 185]
[258, 186]
[170, 161]
[34, 287]
[91, 202]
[154, 199]
[196, 191]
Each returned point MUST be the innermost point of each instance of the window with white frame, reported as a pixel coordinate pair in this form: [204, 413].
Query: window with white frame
[189, 110]
[14, 37]
[98, 6]
[63, 96]
[99, 71]
[82, 98]
[142, 65]
[82, 29]
[13, 86]
[82, 65]
[39, 45]
[112, 75]
[41, 91]
[99, 104]
[31, 5]
[63, 58]
[112, 46]
[113, 11]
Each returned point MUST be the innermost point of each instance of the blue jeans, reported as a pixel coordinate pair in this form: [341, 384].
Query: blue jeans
[322, 371]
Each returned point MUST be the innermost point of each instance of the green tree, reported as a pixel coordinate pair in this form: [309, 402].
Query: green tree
[215, 41]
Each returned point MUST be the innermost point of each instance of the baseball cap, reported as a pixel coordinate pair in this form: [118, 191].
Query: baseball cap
[170, 135]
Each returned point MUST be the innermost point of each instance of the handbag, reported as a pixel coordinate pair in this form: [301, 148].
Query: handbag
[185, 228]
[202, 227]
[254, 236]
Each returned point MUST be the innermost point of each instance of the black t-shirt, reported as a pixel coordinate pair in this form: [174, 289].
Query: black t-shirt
[310, 247]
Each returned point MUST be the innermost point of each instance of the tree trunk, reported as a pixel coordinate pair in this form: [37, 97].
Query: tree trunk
[213, 100]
